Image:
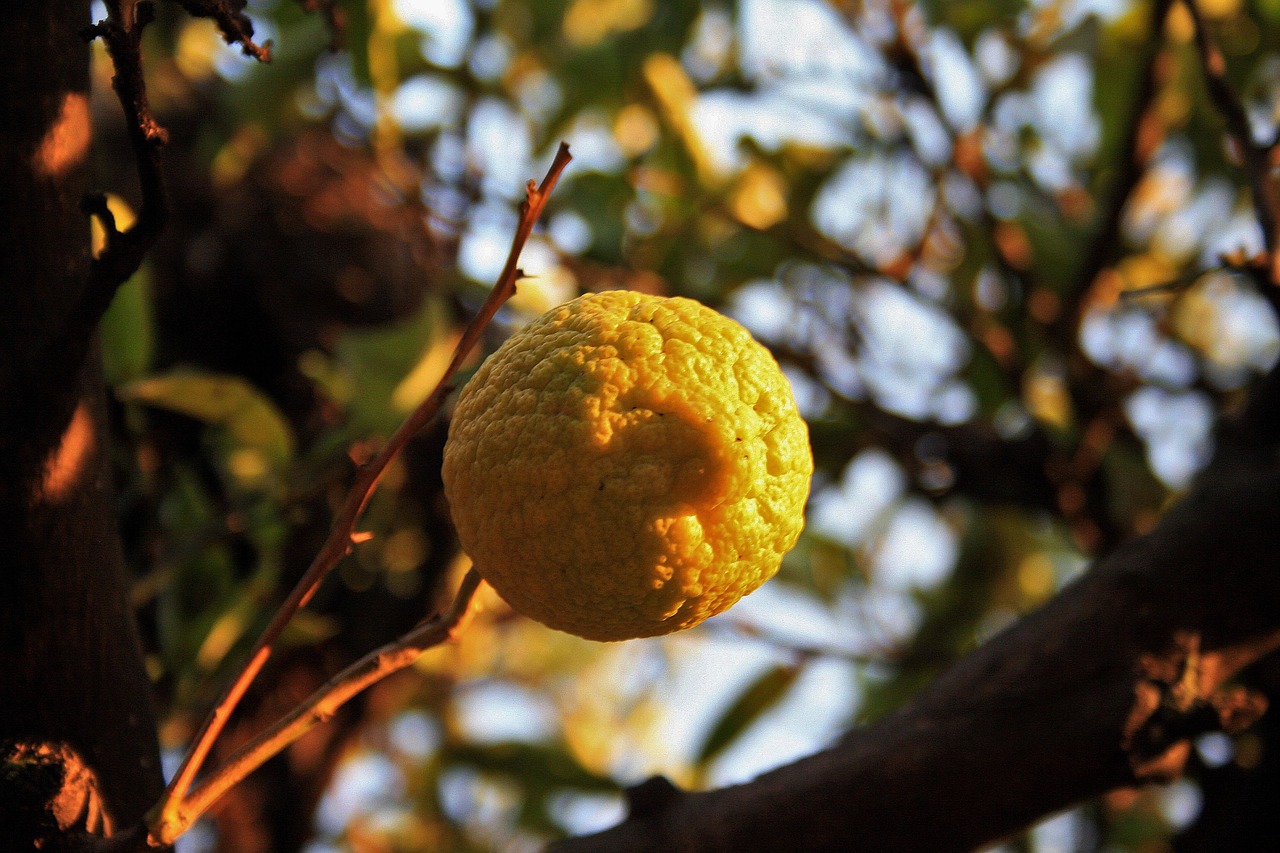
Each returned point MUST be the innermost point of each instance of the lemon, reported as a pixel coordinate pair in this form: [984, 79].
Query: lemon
[627, 466]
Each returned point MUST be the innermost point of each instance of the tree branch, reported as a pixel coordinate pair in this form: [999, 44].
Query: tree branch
[235, 26]
[123, 251]
[1097, 690]
[1257, 158]
[367, 477]
[1137, 148]
[322, 705]
[1250, 438]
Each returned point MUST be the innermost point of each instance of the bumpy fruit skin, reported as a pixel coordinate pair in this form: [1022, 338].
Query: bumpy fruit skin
[627, 466]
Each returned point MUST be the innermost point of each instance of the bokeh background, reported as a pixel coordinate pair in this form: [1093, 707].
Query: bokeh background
[999, 247]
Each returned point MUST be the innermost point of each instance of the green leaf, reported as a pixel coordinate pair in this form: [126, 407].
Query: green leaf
[969, 19]
[761, 695]
[378, 360]
[250, 419]
[128, 332]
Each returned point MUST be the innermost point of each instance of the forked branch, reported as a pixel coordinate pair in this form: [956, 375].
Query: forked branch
[167, 818]
[322, 705]
[123, 251]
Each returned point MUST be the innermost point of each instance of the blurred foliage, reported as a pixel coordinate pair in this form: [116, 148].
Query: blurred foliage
[942, 217]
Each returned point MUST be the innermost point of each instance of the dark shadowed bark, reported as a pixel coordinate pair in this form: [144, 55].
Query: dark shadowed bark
[71, 675]
[1102, 688]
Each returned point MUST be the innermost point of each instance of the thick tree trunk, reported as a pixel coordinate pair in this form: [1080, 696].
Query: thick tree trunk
[71, 676]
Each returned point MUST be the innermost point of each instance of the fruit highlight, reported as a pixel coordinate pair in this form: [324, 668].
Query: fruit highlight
[627, 466]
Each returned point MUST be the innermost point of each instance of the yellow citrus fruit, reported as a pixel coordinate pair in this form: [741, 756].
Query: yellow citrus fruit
[627, 466]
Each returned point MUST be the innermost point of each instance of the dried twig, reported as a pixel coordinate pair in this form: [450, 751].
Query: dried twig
[320, 706]
[167, 813]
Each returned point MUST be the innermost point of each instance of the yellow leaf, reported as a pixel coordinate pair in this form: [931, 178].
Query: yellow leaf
[250, 419]
[1045, 395]
[677, 96]
[589, 22]
[760, 199]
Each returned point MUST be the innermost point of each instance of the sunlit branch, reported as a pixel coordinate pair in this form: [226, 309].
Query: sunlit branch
[321, 706]
[339, 542]
[1013, 339]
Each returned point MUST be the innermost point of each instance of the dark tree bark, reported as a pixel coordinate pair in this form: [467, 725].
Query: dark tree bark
[1102, 688]
[71, 674]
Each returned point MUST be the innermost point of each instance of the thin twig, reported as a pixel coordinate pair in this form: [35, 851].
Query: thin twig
[321, 706]
[123, 251]
[1136, 149]
[1174, 285]
[366, 481]
[1252, 434]
[234, 24]
[1256, 157]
